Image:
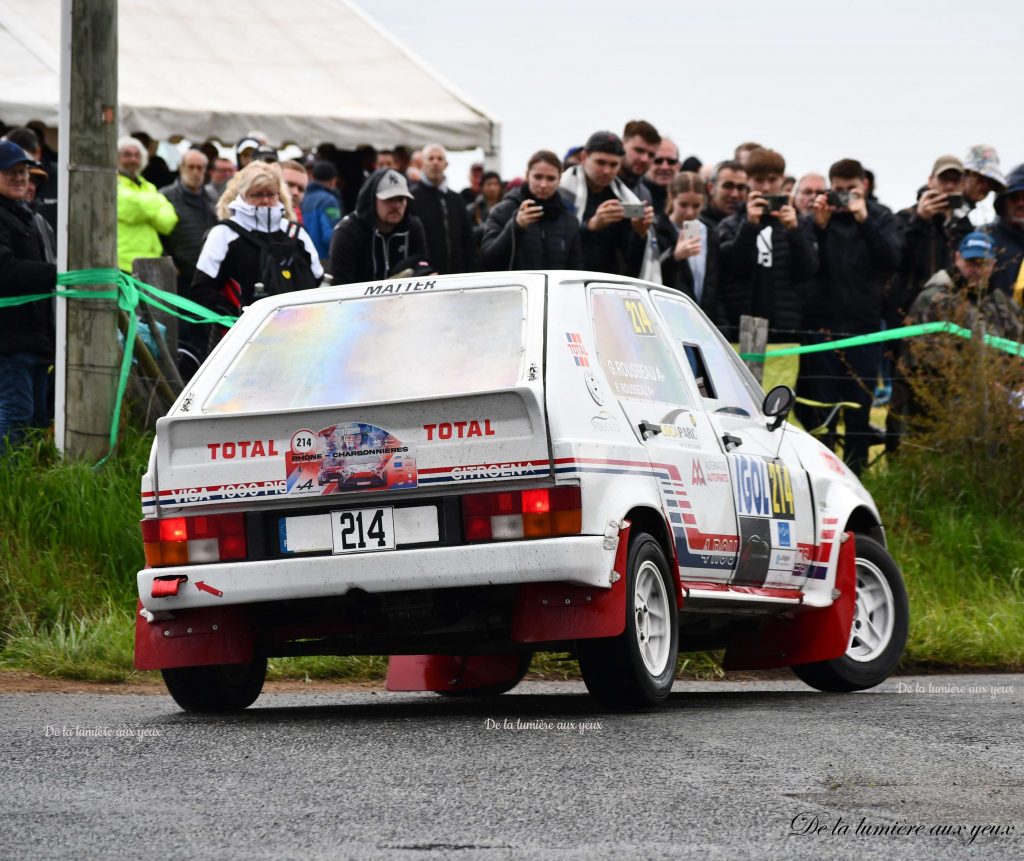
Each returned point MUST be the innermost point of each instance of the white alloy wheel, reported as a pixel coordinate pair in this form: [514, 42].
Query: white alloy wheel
[651, 606]
[873, 613]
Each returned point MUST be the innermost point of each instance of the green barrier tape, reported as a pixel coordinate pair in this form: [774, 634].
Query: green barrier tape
[130, 291]
[1003, 344]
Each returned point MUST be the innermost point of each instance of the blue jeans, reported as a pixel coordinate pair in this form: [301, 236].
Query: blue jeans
[24, 386]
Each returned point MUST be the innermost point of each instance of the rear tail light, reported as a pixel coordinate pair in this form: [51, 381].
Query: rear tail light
[540, 513]
[194, 540]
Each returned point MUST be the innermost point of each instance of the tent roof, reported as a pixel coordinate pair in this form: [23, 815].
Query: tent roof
[305, 73]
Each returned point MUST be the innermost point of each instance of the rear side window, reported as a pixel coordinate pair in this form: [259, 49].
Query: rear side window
[636, 360]
[714, 363]
[367, 349]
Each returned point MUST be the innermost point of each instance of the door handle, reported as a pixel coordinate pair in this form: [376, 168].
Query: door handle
[649, 429]
[731, 441]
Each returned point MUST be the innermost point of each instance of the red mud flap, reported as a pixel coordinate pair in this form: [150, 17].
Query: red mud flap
[547, 612]
[193, 638]
[819, 634]
[450, 672]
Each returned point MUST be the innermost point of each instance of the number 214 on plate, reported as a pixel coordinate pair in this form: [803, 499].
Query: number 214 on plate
[363, 529]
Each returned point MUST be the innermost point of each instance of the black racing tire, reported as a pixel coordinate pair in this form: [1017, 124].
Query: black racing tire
[495, 690]
[880, 625]
[217, 688]
[637, 668]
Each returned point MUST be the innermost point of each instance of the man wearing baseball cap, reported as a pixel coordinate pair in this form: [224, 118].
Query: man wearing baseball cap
[931, 231]
[960, 294]
[369, 243]
[321, 206]
[26, 331]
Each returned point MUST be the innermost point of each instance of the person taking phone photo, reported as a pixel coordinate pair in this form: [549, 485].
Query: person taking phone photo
[532, 228]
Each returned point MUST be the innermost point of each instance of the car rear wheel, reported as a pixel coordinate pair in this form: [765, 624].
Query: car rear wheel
[218, 688]
[881, 618]
[637, 668]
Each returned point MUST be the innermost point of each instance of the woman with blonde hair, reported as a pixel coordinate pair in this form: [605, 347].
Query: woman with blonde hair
[256, 249]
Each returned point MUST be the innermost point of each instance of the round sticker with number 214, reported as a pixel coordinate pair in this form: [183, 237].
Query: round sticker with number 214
[303, 442]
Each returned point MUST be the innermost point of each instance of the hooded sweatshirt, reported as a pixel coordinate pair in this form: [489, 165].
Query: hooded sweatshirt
[360, 252]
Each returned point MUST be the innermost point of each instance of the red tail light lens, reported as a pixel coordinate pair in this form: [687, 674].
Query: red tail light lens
[194, 540]
[538, 513]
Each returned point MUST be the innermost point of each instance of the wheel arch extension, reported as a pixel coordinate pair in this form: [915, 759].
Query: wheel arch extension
[643, 518]
[863, 521]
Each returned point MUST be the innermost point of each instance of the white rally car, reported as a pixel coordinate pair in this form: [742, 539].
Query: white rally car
[457, 471]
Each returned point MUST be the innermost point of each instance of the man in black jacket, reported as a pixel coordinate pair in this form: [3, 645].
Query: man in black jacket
[594, 192]
[859, 247]
[196, 215]
[368, 243]
[450, 244]
[931, 230]
[26, 331]
[727, 192]
[768, 253]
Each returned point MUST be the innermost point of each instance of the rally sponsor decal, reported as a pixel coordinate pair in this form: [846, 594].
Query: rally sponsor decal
[604, 423]
[580, 356]
[345, 457]
[242, 449]
[755, 552]
[763, 488]
[393, 289]
[782, 534]
[464, 429]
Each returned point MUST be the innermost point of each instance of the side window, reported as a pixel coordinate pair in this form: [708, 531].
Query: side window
[714, 363]
[632, 350]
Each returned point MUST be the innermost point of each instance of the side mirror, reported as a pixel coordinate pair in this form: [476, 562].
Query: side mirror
[777, 404]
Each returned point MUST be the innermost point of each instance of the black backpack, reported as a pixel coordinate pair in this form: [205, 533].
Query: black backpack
[284, 262]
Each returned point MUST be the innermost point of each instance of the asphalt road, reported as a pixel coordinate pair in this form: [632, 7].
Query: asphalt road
[727, 770]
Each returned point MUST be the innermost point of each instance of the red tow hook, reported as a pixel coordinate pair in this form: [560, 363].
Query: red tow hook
[167, 587]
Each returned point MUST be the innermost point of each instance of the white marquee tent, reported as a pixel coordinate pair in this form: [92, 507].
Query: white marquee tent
[304, 72]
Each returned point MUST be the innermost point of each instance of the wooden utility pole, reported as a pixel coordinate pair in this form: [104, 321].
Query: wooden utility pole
[89, 139]
[754, 340]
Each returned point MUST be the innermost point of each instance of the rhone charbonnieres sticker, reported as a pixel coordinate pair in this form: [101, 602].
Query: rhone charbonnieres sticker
[345, 457]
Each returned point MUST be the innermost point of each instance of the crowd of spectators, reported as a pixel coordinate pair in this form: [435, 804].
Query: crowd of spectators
[817, 255]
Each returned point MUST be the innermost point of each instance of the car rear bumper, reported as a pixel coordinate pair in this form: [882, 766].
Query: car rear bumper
[582, 560]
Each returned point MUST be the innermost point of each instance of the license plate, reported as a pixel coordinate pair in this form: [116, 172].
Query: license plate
[359, 530]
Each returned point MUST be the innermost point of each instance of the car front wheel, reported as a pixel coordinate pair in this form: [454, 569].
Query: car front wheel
[637, 668]
[218, 688]
[881, 619]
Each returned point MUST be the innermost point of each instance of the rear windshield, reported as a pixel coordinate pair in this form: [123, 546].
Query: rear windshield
[369, 349]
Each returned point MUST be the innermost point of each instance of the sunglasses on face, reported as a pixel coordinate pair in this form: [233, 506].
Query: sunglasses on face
[666, 160]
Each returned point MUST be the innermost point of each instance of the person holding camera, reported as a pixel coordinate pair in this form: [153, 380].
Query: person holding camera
[768, 252]
[689, 244]
[532, 228]
[932, 230]
[860, 247]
